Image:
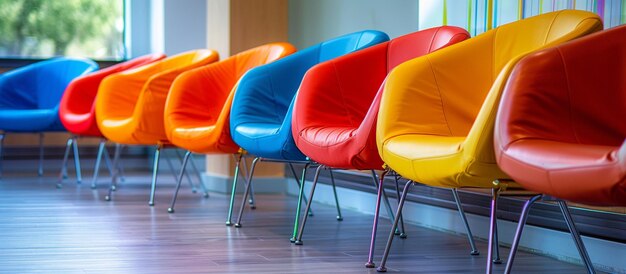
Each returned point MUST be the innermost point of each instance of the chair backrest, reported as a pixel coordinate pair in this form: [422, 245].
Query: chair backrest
[348, 85]
[118, 94]
[343, 92]
[265, 94]
[573, 93]
[204, 94]
[80, 94]
[451, 85]
[41, 85]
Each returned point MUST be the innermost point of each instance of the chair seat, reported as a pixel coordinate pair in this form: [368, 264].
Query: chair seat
[83, 124]
[340, 147]
[125, 130]
[30, 120]
[438, 161]
[268, 140]
[590, 174]
[258, 130]
[205, 139]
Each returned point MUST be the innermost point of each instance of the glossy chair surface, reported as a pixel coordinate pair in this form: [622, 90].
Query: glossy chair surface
[30, 95]
[198, 108]
[78, 105]
[334, 121]
[560, 128]
[130, 104]
[263, 104]
[435, 124]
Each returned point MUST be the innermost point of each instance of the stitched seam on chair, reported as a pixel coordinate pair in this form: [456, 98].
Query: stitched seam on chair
[443, 110]
[550, 27]
[343, 98]
[587, 32]
[358, 41]
[432, 40]
[569, 95]
[332, 145]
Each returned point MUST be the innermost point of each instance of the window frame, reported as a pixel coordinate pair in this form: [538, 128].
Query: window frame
[8, 63]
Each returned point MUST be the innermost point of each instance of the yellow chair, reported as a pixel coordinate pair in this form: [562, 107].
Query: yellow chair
[436, 119]
[130, 104]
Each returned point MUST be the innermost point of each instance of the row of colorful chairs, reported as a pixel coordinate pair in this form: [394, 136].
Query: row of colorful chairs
[424, 106]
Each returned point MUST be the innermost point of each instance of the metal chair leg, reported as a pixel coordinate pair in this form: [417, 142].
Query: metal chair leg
[470, 237]
[179, 181]
[580, 245]
[96, 168]
[383, 262]
[308, 206]
[120, 167]
[403, 234]
[392, 217]
[155, 171]
[116, 158]
[251, 200]
[121, 171]
[370, 257]
[107, 160]
[332, 179]
[246, 192]
[493, 227]
[171, 167]
[1, 151]
[233, 191]
[518, 233]
[68, 146]
[79, 177]
[299, 206]
[205, 190]
[189, 181]
[295, 176]
[40, 170]
[244, 169]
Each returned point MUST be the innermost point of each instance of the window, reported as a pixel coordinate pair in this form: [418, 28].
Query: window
[37, 29]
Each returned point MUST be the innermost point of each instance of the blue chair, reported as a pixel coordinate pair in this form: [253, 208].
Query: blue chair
[30, 97]
[260, 120]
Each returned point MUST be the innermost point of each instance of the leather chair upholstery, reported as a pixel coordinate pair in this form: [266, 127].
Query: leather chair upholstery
[262, 108]
[337, 105]
[198, 108]
[30, 95]
[436, 119]
[129, 105]
[435, 124]
[78, 105]
[560, 128]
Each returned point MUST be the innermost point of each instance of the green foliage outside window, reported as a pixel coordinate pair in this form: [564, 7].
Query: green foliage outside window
[46, 28]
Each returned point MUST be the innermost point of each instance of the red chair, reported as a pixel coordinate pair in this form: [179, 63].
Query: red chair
[560, 129]
[334, 119]
[77, 111]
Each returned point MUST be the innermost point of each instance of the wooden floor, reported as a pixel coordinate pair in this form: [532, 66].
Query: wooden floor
[73, 230]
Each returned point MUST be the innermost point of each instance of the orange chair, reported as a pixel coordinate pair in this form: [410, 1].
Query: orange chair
[198, 107]
[77, 112]
[129, 106]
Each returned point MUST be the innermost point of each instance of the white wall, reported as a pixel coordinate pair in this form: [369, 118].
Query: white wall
[313, 21]
[170, 26]
[185, 25]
